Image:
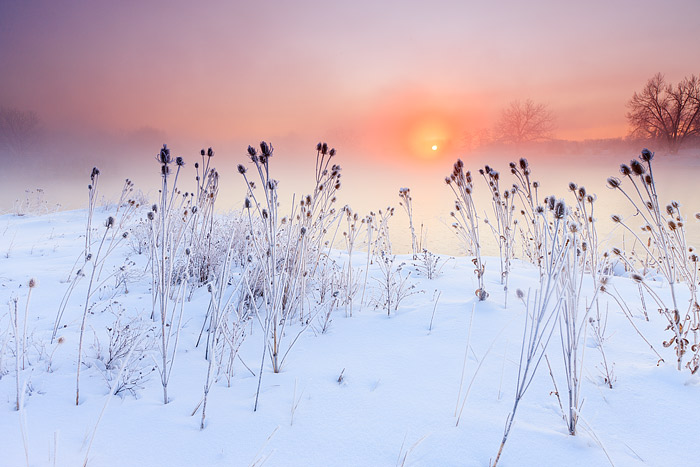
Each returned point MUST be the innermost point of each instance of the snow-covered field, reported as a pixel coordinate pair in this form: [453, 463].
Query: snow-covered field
[372, 390]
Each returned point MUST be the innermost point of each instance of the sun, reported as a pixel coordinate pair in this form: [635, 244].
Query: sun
[434, 148]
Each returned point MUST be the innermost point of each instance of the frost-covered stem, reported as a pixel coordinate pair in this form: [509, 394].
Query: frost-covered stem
[24, 331]
[92, 195]
[369, 254]
[16, 332]
[407, 203]
[85, 313]
[213, 329]
[538, 327]
[460, 182]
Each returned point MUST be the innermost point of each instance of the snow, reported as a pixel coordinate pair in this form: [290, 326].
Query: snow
[397, 396]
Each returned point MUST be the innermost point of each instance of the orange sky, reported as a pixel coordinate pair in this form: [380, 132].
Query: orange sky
[309, 67]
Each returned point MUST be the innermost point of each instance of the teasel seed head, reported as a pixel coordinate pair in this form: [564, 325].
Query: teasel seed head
[614, 182]
[109, 223]
[164, 155]
[637, 168]
[646, 155]
[32, 283]
[637, 278]
[247, 203]
[550, 202]
[559, 210]
[266, 149]
[252, 152]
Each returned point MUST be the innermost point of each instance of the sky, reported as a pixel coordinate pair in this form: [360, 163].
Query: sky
[382, 81]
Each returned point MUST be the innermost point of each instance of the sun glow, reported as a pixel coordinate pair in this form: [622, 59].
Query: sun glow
[428, 133]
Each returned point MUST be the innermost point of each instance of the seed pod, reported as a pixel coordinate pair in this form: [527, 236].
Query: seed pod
[646, 155]
[614, 182]
[266, 149]
[559, 210]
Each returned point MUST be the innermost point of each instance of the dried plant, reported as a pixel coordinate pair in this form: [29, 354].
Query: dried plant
[130, 342]
[667, 249]
[599, 326]
[429, 264]
[531, 229]
[169, 220]
[286, 251]
[393, 286]
[541, 316]
[354, 227]
[504, 224]
[575, 308]
[467, 220]
[407, 203]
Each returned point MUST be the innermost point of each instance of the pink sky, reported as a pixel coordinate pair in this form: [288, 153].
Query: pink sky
[360, 69]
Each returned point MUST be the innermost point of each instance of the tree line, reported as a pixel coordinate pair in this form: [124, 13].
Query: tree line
[667, 114]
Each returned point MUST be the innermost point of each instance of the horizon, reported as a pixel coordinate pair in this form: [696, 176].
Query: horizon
[382, 83]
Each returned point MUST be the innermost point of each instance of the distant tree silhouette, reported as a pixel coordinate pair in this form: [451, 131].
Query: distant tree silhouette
[523, 122]
[666, 113]
[19, 130]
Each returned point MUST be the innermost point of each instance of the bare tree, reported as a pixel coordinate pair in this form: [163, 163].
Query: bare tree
[664, 112]
[525, 121]
[18, 130]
